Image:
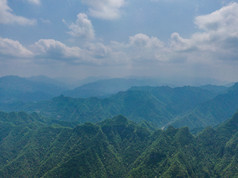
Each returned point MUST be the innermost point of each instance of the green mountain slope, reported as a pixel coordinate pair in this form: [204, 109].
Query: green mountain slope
[176, 153]
[32, 147]
[212, 112]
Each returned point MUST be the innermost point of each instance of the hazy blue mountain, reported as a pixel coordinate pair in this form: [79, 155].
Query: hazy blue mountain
[195, 107]
[215, 88]
[107, 87]
[73, 83]
[211, 112]
[17, 89]
[47, 80]
[158, 105]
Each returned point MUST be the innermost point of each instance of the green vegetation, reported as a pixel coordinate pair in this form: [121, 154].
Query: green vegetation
[74, 137]
[212, 112]
[193, 107]
[156, 105]
[33, 146]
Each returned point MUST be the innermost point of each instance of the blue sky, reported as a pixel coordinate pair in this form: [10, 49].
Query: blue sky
[184, 39]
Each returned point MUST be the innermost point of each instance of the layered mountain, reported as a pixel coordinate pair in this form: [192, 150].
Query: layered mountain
[195, 107]
[158, 105]
[31, 147]
[212, 112]
[15, 89]
[107, 87]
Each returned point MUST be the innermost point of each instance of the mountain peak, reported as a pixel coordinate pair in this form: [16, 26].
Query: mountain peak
[117, 120]
[120, 119]
[230, 126]
[234, 87]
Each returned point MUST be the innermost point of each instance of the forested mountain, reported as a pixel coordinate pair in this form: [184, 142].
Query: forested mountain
[158, 105]
[211, 112]
[32, 147]
[195, 107]
[176, 153]
[17, 89]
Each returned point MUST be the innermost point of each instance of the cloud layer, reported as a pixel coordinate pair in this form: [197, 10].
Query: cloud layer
[7, 16]
[217, 39]
[212, 48]
[105, 9]
[218, 36]
[11, 48]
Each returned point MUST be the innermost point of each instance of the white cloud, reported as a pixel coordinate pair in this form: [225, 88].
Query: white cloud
[216, 41]
[37, 2]
[218, 38]
[213, 42]
[46, 50]
[50, 48]
[207, 52]
[141, 48]
[105, 9]
[56, 50]
[220, 20]
[144, 41]
[13, 48]
[82, 28]
[7, 16]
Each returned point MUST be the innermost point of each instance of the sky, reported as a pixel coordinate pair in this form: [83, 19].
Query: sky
[171, 39]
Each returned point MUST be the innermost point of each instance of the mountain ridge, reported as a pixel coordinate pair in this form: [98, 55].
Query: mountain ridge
[157, 105]
[115, 147]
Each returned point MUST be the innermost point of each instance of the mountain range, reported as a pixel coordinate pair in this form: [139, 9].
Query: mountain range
[158, 105]
[194, 107]
[21, 89]
[33, 147]
[117, 128]
[15, 89]
[212, 112]
[107, 87]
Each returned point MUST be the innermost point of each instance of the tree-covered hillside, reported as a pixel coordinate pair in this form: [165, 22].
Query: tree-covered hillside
[32, 147]
[212, 112]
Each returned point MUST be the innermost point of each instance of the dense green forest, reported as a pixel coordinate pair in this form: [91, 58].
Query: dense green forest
[33, 146]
